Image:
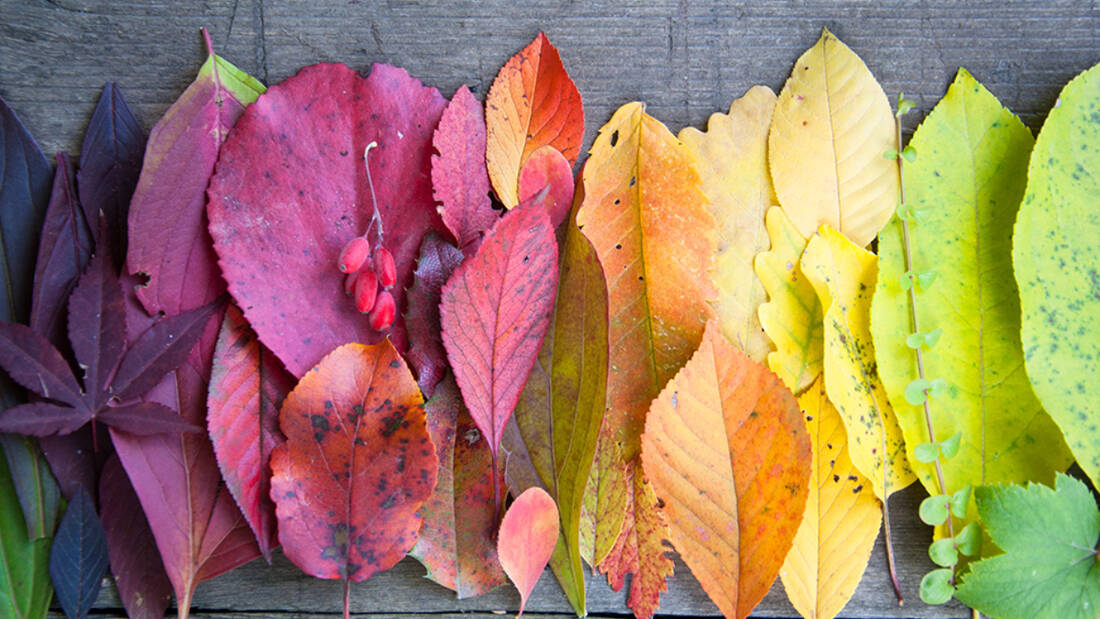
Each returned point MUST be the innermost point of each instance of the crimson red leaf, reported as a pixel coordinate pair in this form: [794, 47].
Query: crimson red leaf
[460, 179]
[145, 418]
[78, 557]
[139, 573]
[169, 240]
[528, 535]
[63, 253]
[547, 167]
[36, 365]
[438, 260]
[495, 312]
[356, 466]
[97, 326]
[295, 162]
[247, 386]
[110, 160]
[43, 419]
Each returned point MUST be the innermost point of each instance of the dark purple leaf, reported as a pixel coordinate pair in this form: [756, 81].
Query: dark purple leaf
[30, 361]
[139, 573]
[145, 418]
[159, 350]
[63, 253]
[35, 486]
[78, 557]
[438, 259]
[74, 458]
[110, 162]
[43, 419]
[97, 326]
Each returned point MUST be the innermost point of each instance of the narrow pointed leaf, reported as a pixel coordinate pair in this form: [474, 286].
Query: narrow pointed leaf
[43, 419]
[438, 260]
[832, 123]
[460, 181]
[843, 274]
[968, 180]
[78, 557]
[833, 544]
[726, 450]
[606, 498]
[496, 309]
[32, 362]
[97, 326]
[1058, 269]
[357, 464]
[25, 590]
[110, 161]
[733, 168]
[146, 418]
[35, 485]
[528, 534]
[531, 103]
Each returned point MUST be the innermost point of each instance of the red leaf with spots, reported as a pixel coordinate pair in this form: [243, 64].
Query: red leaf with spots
[438, 260]
[528, 535]
[459, 176]
[290, 190]
[356, 466]
[495, 312]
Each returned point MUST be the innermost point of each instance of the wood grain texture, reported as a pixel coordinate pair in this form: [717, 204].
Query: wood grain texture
[686, 59]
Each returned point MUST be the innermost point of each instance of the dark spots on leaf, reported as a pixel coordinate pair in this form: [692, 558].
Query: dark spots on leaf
[393, 422]
[395, 363]
[614, 138]
[853, 478]
[836, 478]
[857, 489]
[809, 418]
[319, 422]
[389, 502]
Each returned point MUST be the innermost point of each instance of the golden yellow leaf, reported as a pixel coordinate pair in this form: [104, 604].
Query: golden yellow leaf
[843, 274]
[792, 316]
[733, 165]
[838, 530]
[831, 126]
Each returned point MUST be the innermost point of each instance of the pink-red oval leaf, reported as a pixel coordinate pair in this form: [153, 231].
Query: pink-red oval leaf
[459, 178]
[528, 535]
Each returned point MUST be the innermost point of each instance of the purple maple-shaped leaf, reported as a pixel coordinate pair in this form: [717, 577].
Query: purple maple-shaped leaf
[97, 326]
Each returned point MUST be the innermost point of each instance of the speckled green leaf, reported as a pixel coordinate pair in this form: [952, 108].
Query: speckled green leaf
[966, 184]
[1058, 267]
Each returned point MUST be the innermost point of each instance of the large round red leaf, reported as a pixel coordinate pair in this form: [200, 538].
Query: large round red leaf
[291, 190]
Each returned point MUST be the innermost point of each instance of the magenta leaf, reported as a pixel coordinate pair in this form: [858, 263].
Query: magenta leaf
[110, 161]
[438, 260]
[43, 419]
[145, 418]
[135, 562]
[78, 556]
[296, 160]
[97, 327]
[36, 365]
[460, 179]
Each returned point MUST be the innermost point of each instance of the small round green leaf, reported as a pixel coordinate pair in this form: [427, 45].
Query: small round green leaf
[914, 340]
[915, 392]
[936, 587]
[960, 500]
[909, 154]
[890, 154]
[969, 540]
[926, 453]
[933, 510]
[926, 279]
[950, 447]
[932, 337]
[943, 553]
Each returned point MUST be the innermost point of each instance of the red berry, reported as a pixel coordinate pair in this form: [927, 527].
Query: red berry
[383, 266]
[381, 317]
[366, 289]
[354, 254]
[349, 283]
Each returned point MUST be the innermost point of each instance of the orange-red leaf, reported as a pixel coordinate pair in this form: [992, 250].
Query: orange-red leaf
[726, 449]
[531, 103]
[357, 465]
[528, 534]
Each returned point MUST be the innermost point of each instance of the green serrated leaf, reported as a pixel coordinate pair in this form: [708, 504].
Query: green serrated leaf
[1049, 568]
[967, 184]
[25, 589]
[936, 588]
[943, 552]
[969, 540]
[950, 447]
[926, 452]
[1058, 267]
[933, 510]
[960, 500]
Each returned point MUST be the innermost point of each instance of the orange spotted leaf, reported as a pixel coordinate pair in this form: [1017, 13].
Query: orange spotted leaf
[531, 103]
[528, 534]
[727, 450]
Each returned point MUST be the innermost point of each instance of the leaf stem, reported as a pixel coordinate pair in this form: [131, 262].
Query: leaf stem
[890, 547]
[376, 218]
[496, 490]
[347, 597]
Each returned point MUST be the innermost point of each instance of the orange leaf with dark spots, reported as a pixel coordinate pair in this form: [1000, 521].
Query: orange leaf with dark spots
[727, 450]
[531, 103]
[528, 535]
[357, 465]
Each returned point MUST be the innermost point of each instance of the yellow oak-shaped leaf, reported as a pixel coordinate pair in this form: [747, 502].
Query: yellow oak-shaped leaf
[726, 449]
[733, 165]
[646, 217]
[834, 542]
[843, 274]
[792, 316]
[831, 126]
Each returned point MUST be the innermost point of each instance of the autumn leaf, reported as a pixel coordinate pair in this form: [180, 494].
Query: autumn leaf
[607, 494]
[792, 316]
[169, 241]
[646, 217]
[437, 262]
[528, 534]
[726, 450]
[78, 557]
[460, 180]
[495, 311]
[247, 385]
[285, 276]
[548, 168]
[831, 126]
[966, 184]
[356, 466]
[843, 274]
[531, 103]
[457, 537]
[830, 551]
[733, 168]
[1058, 269]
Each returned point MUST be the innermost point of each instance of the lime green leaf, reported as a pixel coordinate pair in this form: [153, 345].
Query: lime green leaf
[1049, 567]
[968, 182]
[950, 447]
[960, 500]
[969, 540]
[926, 452]
[933, 510]
[935, 587]
[1058, 267]
[943, 552]
[25, 589]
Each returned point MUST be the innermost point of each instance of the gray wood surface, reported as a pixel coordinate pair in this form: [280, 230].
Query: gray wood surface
[686, 59]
